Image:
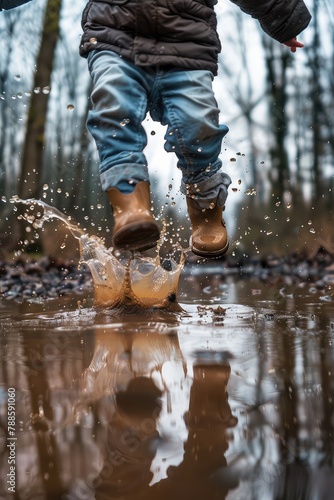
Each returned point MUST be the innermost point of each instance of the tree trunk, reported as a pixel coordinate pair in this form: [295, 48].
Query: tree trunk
[32, 157]
[276, 66]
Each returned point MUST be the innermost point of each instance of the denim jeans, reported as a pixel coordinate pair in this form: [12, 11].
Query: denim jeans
[183, 100]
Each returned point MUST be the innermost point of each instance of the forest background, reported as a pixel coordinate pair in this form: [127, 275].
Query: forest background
[279, 152]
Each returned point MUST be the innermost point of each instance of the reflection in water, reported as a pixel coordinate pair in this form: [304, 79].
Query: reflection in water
[122, 379]
[307, 417]
[136, 407]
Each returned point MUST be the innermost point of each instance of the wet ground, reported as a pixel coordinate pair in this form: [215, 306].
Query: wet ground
[230, 398]
[27, 279]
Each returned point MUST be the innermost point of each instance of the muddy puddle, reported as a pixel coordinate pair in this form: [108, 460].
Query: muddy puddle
[230, 397]
[166, 382]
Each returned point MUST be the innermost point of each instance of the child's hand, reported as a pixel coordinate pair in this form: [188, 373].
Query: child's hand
[293, 44]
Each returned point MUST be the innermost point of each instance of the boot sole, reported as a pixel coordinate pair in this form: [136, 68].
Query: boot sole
[212, 255]
[137, 236]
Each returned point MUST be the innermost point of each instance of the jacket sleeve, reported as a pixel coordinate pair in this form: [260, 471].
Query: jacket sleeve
[10, 4]
[281, 19]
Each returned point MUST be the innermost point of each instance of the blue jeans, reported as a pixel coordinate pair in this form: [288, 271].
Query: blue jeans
[124, 93]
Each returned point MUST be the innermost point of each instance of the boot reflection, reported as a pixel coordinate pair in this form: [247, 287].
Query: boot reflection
[132, 441]
[208, 418]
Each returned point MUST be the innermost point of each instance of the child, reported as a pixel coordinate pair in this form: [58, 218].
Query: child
[160, 56]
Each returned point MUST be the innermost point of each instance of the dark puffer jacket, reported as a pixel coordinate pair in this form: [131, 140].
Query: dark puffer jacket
[11, 4]
[179, 33]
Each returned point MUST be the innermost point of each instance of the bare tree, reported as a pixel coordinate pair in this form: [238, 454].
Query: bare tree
[277, 62]
[29, 182]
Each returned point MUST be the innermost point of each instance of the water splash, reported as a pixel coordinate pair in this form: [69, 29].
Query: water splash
[120, 280]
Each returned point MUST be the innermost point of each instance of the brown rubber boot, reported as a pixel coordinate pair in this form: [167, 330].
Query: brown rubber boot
[134, 224]
[209, 236]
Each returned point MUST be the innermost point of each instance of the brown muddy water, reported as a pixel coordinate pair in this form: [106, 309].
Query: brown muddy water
[232, 397]
[170, 383]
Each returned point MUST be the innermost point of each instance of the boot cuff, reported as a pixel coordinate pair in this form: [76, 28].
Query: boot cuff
[211, 192]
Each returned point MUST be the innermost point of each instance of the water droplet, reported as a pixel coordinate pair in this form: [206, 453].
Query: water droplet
[93, 40]
[312, 230]
[45, 187]
[70, 107]
[46, 90]
[250, 192]
[37, 90]
[17, 77]
[125, 122]
[233, 159]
